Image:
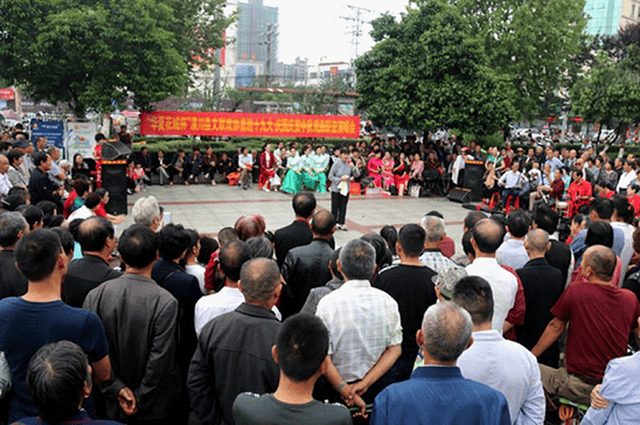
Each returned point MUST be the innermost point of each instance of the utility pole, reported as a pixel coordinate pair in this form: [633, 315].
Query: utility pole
[268, 43]
[356, 28]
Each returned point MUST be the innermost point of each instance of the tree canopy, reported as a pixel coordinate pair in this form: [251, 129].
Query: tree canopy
[609, 91]
[469, 64]
[96, 53]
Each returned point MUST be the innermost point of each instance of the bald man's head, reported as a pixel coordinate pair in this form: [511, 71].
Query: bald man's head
[488, 235]
[323, 223]
[259, 278]
[4, 164]
[600, 262]
[538, 241]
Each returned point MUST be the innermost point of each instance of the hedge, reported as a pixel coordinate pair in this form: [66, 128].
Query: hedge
[171, 145]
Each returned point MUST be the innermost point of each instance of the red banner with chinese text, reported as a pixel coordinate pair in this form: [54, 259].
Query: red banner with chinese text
[175, 123]
[7, 94]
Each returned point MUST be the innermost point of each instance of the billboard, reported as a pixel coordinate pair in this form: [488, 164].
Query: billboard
[174, 123]
[80, 138]
[245, 75]
[7, 94]
[52, 130]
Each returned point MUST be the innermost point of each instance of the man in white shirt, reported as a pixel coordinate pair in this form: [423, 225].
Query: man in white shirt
[232, 256]
[457, 170]
[487, 237]
[5, 184]
[364, 327]
[245, 164]
[503, 365]
[512, 182]
[627, 177]
[512, 253]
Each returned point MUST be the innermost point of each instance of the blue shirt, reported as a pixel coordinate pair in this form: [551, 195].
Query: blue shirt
[80, 419]
[620, 387]
[27, 326]
[555, 164]
[578, 245]
[439, 395]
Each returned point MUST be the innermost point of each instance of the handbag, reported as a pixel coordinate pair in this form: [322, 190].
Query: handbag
[233, 178]
[355, 189]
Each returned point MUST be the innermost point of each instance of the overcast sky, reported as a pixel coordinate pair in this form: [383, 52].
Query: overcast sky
[313, 29]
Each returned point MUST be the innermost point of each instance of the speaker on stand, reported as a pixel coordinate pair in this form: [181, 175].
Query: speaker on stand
[114, 176]
[473, 173]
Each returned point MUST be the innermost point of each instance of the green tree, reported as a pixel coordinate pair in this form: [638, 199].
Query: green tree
[512, 53]
[430, 71]
[94, 53]
[609, 93]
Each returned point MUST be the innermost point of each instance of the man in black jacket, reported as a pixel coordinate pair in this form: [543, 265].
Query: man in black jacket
[559, 255]
[234, 349]
[543, 284]
[299, 232]
[307, 267]
[140, 319]
[12, 227]
[97, 239]
[41, 188]
[169, 274]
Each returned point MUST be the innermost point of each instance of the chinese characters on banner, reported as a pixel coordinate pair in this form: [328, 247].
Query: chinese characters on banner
[239, 124]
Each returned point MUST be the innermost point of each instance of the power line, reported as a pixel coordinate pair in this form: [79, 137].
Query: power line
[356, 27]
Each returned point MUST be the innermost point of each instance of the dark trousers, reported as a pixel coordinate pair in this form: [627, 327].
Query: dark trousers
[509, 192]
[339, 206]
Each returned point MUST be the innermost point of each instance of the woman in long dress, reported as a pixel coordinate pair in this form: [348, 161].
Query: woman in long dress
[293, 180]
[374, 167]
[319, 167]
[401, 173]
[309, 177]
[387, 170]
[97, 155]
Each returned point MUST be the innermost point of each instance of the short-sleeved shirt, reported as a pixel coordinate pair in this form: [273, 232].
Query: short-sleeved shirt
[601, 318]
[254, 409]
[414, 291]
[362, 322]
[27, 326]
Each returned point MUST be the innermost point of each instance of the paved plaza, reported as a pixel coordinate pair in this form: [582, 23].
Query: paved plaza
[207, 209]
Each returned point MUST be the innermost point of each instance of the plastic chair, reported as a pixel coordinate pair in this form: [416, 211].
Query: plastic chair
[571, 413]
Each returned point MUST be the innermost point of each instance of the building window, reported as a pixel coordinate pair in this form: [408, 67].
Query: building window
[633, 11]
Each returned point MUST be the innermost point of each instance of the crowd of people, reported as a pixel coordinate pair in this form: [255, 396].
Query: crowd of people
[262, 327]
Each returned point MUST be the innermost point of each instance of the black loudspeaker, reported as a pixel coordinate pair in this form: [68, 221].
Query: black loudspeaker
[115, 150]
[460, 195]
[473, 173]
[114, 179]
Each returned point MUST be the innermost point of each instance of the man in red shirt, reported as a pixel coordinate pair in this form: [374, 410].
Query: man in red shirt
[579, 192]
[602, 317]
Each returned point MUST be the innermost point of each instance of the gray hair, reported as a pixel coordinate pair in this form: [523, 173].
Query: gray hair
[259, 278]
[64, 164]
[11, 223]
[434, 226]
[145, 210]
[447, 330]
[357, 259]
[538, 240]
